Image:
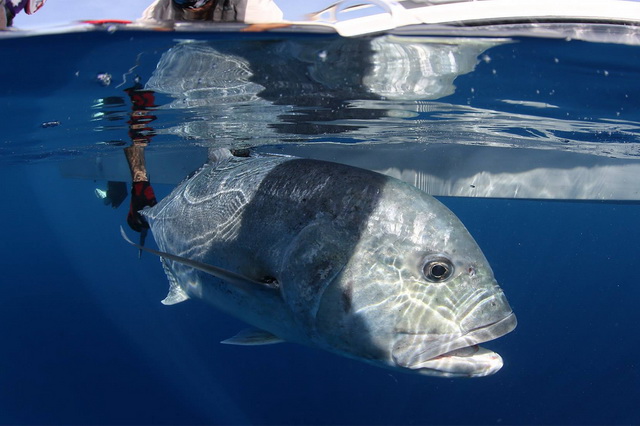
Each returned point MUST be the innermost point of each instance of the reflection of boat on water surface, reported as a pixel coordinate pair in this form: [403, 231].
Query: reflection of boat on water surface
[375, 102]
[441, 170]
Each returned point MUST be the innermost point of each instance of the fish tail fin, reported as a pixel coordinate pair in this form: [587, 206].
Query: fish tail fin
[176, 293]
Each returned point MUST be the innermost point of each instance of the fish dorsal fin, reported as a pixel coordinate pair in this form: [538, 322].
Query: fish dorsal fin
[219, 155]
[253, 337]
[176, 293]
[239, 281]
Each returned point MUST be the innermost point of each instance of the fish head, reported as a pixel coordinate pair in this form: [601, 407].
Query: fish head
[417, 294]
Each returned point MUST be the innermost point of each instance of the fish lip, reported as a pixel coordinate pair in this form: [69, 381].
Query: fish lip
[500, 327]
[407, 352]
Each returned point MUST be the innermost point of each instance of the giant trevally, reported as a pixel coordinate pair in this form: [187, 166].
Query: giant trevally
[333, 257]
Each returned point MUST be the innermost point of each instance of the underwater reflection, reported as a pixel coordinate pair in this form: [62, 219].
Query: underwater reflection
[374, 103]
[304, 87]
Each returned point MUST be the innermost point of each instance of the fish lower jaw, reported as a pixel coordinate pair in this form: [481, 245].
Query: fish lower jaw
[470, 361]
[451, 355]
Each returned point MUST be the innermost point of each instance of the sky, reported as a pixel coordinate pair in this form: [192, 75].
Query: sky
[64, 11]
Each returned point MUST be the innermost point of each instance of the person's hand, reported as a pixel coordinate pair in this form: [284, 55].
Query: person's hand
[142, 196]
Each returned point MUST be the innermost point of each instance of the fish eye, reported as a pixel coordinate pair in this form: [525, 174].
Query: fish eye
[437, 270]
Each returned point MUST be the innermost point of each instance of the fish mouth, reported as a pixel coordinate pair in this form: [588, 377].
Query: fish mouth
[453, 355]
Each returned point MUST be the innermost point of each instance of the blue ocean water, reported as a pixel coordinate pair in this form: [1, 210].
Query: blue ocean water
[85, 338]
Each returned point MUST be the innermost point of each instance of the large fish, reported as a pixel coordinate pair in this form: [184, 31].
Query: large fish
[333, 257]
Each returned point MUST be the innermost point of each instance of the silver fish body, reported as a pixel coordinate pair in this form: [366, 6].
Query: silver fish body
[334, 257]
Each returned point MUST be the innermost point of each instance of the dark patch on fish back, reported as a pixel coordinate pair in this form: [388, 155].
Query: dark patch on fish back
[305, 188]
[296, 194]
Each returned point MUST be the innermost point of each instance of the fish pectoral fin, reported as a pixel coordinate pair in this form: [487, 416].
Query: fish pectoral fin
[252, 337]
[239, 281]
